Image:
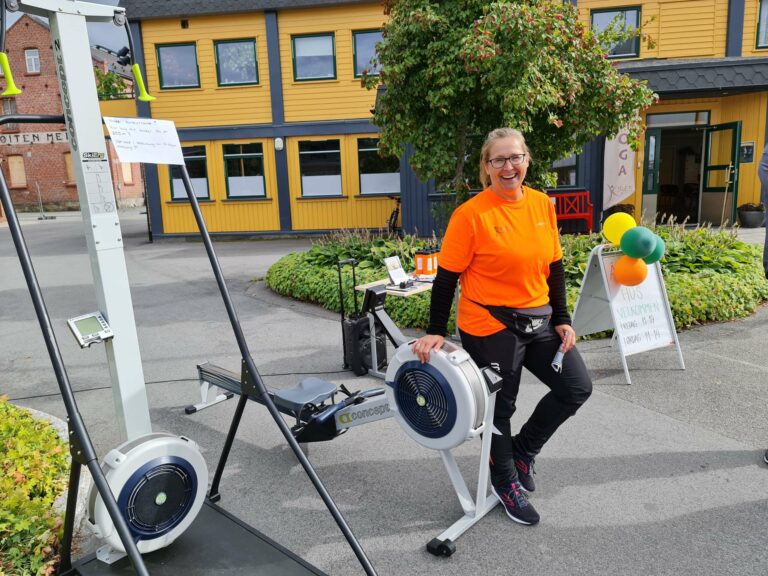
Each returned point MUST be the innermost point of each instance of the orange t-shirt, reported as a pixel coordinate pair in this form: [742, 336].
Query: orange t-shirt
[503, 250]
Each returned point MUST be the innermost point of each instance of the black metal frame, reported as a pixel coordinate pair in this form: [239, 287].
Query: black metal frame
[81, 447]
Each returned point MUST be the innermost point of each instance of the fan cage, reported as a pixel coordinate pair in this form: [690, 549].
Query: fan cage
[425, 399]
[169, 465]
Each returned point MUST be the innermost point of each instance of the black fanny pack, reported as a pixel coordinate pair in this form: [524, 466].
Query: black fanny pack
[523, 322]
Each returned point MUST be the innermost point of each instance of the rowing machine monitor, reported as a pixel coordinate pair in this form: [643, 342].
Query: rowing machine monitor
[90, 328]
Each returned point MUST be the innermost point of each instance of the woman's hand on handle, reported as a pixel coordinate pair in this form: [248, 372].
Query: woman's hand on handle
[424, 345]
[567, 336]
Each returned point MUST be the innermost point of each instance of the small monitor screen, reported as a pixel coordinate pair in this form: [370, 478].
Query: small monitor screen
[88, 325]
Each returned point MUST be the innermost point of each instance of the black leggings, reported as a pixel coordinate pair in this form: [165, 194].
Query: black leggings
[568, 390]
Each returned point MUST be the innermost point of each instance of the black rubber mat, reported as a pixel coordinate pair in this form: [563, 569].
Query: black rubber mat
[215, 543]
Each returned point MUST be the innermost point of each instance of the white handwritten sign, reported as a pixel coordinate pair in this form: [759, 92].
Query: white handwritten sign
[640, 315]
[640, 311]
[145, 140]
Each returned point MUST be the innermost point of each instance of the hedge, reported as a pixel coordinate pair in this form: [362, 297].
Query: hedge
[34, 469]
[710, 274]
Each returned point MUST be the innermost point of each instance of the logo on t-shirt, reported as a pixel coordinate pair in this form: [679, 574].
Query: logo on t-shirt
[502, 229]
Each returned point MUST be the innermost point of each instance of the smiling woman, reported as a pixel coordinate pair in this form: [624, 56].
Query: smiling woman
[505, 247]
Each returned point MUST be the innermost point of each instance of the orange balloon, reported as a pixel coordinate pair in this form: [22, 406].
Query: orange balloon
[630, 271]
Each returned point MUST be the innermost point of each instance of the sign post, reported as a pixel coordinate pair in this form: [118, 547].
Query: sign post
[639, 315]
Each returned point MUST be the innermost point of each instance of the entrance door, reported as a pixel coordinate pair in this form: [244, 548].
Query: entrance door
[651, 171]
[720, 173]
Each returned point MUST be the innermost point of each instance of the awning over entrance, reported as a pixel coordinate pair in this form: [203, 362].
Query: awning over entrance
[700, 77]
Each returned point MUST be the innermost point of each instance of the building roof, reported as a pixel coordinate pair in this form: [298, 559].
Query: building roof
[148, 9]
[695, 78]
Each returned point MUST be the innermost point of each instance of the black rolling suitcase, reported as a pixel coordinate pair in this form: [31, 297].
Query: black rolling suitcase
[356, 331]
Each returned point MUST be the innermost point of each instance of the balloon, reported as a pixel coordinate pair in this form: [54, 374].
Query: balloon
[658, 251]
[638, 242]
[615, 226]
[629, 271]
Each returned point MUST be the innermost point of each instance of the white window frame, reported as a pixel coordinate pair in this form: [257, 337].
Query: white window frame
[32, 58]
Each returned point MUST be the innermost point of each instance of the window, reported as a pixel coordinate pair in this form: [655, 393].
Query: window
[177, 66]
[236, 62]
[377, 175]
[194, 158]
[127, 172]
[698, 118]
[762, 25]
[69, 168]
[320, 165]
[627, 19]
[566, 171]
[365, 50]
[9, 108]
[16, 172]
[314, 57]
[32, 56]
[244, 170]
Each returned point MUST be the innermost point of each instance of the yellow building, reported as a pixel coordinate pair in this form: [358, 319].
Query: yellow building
[706, 59]
[274, 122]
[276, 127]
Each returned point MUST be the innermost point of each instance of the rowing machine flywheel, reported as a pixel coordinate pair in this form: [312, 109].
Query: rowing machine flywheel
[159, 482]
[439, 404]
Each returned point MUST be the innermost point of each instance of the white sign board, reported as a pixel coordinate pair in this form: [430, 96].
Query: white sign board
[145, 140]
[639, 315]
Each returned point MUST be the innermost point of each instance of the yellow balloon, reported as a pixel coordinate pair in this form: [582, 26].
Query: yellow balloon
[615, 226]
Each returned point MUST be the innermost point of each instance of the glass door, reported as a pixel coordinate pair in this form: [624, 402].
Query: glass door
[651, 170]
[720, 173]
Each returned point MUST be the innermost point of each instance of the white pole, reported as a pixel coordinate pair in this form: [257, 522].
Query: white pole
[72, 57]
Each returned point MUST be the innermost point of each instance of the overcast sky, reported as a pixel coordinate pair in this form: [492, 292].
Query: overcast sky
[107, 35]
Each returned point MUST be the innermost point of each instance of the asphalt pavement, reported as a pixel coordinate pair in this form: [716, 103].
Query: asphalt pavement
[664, 476]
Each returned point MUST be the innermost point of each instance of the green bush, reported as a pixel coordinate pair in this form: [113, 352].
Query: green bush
[34, 465]
[710, 274]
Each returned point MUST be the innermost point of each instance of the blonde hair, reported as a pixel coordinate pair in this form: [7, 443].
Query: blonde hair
[493, 136]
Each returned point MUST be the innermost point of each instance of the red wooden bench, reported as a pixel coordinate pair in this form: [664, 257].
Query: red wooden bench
[573, 206]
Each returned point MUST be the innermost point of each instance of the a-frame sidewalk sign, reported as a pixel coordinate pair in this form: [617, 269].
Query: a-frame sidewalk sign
[640, 315]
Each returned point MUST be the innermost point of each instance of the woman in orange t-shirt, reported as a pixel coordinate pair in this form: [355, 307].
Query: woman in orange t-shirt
[504, 246]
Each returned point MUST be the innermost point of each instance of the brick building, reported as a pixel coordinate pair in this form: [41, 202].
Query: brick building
[37, 156]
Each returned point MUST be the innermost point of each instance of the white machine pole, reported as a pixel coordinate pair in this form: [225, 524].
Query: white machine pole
[72, 56]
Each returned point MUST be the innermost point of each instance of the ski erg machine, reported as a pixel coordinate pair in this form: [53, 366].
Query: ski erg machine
[150, 491]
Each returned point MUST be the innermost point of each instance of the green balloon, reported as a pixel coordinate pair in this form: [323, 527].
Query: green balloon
[638, 242]
[658, 252]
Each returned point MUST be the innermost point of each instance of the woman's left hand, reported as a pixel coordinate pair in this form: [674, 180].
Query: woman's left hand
[567, 336]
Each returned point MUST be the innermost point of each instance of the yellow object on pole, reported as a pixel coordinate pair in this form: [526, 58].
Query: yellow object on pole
[143, 95]
[10, 88]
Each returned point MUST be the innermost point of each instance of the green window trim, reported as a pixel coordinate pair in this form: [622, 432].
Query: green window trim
[158, 49]
[333, 146]
[218, 43]
[245, 156]
[385, 173]
[762, 22]
[635, 41]
[355, 34]
[197, 158]
[295, 37]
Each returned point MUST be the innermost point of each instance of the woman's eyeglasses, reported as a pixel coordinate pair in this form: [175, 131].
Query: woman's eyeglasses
[514, 160]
